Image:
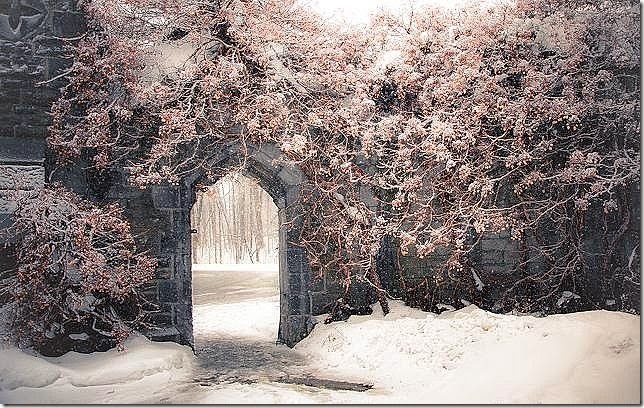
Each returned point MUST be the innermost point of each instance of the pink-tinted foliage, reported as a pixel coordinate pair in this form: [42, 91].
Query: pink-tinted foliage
[520, 119]
[78, 269]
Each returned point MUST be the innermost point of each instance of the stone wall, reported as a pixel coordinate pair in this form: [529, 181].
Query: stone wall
[32, 56]
[605, 282]
[160, 217]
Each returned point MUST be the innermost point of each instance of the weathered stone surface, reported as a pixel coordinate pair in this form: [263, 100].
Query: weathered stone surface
[22, 21]
[164, 272]
[183, 323]
[291, 176]
[266, 161]
[166, 197]
[317, 284]
[151, 291]
[295, 283]
[16, 177]
[298, 304]
[68, 24]
[298, 327]
[167, 291]
[164, 334]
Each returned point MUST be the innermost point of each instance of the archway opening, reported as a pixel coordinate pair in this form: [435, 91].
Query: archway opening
[235, 263]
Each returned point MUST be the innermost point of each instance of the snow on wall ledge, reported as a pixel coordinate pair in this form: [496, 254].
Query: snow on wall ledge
[464, 356]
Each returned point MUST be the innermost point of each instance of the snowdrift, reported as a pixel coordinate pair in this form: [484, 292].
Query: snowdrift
[473, 356]
[140, 358]
[463, 356]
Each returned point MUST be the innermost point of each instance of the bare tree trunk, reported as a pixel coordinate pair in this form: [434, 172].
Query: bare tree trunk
[236, 221]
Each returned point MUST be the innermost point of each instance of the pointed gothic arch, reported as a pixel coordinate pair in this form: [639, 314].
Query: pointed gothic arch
[283, 184]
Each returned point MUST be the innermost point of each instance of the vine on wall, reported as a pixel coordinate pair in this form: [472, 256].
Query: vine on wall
[515, 118]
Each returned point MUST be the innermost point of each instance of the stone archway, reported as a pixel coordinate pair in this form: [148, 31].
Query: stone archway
[283, 184]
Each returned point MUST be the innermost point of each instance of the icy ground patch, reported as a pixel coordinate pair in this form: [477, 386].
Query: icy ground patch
[464, 356]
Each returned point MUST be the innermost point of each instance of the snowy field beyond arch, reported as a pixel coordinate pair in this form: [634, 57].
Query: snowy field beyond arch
[235, 267]
[410, 356]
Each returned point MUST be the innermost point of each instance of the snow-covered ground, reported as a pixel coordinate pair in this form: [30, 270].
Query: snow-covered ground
[464, 356]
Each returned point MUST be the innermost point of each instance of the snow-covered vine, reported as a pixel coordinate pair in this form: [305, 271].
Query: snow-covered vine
[520, 117]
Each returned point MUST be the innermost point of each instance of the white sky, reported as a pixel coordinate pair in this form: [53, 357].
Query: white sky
[359, 11]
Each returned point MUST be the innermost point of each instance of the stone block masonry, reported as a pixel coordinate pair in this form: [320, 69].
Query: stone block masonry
[32, 53]
[33, 58]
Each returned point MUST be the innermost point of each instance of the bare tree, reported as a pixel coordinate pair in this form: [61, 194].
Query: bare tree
[236, 222]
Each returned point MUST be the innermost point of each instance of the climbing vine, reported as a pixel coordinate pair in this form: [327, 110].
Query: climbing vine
[519, 119]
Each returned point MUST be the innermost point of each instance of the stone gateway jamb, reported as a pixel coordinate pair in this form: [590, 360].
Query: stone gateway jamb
[283, 184]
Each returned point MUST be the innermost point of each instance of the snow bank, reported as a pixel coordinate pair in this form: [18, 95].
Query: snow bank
[140, 358]
[462, 356]
[474, 356]
[19, 369]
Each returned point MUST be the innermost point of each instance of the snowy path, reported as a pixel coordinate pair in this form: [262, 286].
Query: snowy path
[464, 356]
[236, 315]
